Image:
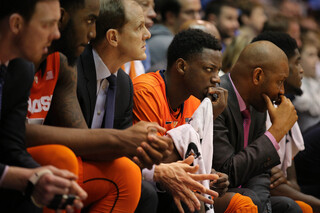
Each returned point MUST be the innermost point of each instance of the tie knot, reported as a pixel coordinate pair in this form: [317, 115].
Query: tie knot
[245, 113]
[112, 79]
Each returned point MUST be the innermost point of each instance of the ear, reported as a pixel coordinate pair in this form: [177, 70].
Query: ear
[64, 18]
[258, 76]
[112, 37]
[181, 66]
[212, 18]
[170, 18]
[244, 19]
[16, 23]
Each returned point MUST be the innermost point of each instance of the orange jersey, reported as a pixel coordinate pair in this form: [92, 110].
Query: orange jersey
[42, 89]
[151, 104]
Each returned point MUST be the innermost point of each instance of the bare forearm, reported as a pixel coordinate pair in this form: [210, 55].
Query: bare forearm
[286, 190]
[93, 144]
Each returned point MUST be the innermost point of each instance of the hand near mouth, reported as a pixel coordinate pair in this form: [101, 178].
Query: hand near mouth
[219, 99]
[282, 117]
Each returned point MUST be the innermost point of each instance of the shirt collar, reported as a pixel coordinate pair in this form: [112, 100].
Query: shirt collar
[241, 102]
[6, 63]
[102, 70]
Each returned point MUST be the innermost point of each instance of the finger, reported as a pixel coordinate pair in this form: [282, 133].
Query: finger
[190, 200]
[154, 125]
[144, 158]
[77, 190]
[178, 204]
[62, 173]
[188, 160]
[77, 204]
[69, 209]
[268, 101]
[279, 182]
[152, 154]
[226, 95]
[199, 177]
[55, 181]
[157, 142]
[138, 162]
[211, 192]
[204, 199]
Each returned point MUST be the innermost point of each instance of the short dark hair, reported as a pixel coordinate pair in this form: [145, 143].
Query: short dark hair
[277, 22]
[165, 6]
[72, 4]
[283, 40]
[246, 8]
[214, 7]
[112, 16]
[25, 8]
[190, 42]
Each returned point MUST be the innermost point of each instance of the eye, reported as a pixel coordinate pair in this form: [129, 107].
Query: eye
[209, 69]
[91, 20]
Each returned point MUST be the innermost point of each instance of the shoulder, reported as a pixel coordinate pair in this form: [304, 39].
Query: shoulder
[148, 81]
[20, 70]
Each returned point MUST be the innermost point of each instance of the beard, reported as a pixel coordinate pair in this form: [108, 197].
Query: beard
[66, 43]
[289, 89]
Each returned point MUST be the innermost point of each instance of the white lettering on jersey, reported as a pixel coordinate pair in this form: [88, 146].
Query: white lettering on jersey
[39, 105]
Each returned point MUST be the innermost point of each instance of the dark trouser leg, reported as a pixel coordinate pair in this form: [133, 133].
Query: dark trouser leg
[282, 204]
[149, 199]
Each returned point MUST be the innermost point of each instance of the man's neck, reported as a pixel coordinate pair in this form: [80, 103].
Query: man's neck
[175, 94]
[109, 58]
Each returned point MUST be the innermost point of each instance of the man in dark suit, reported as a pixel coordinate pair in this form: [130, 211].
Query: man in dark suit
[102, 59]
[87, 92]
[19, 23]
[242, 147]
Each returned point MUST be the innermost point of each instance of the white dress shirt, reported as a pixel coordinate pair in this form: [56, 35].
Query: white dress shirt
[102, 73]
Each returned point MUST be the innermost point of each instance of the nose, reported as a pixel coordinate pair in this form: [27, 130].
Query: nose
[151, 13]
[236, 24]
[92, 32]
[56, 33]
[147, 34]
[301, 70]
[215, 79]
[197, 15]
[281, 92]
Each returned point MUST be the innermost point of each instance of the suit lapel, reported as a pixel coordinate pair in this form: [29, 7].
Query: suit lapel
[89, 71]
[234, 108]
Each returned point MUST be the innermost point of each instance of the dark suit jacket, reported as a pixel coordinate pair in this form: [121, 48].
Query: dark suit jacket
[16, 90]
[18, 81]
[247, 167]
[87, 90]
[229, 156]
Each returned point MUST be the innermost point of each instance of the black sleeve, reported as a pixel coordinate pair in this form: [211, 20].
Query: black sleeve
[16, 90]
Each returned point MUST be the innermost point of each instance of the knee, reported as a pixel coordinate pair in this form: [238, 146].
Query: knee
[285, 204]
[57, 155]
[128, 169]
[130, 174]
[306, 208]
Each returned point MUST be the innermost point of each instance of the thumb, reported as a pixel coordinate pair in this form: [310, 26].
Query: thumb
[188, 160]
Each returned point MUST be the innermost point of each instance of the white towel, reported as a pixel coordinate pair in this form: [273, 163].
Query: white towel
[290, 145]
[196, 138]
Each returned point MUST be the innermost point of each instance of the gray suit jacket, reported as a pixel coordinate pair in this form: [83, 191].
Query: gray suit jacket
[249, 167]
[87, 87]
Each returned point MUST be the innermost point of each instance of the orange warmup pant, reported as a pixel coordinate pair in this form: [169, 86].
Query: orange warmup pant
[241, 204]
[111, 186]
[306, 208]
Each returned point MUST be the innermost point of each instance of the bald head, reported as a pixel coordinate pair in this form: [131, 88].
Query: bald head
[262, 68]
[202, 25]
[263, 54]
